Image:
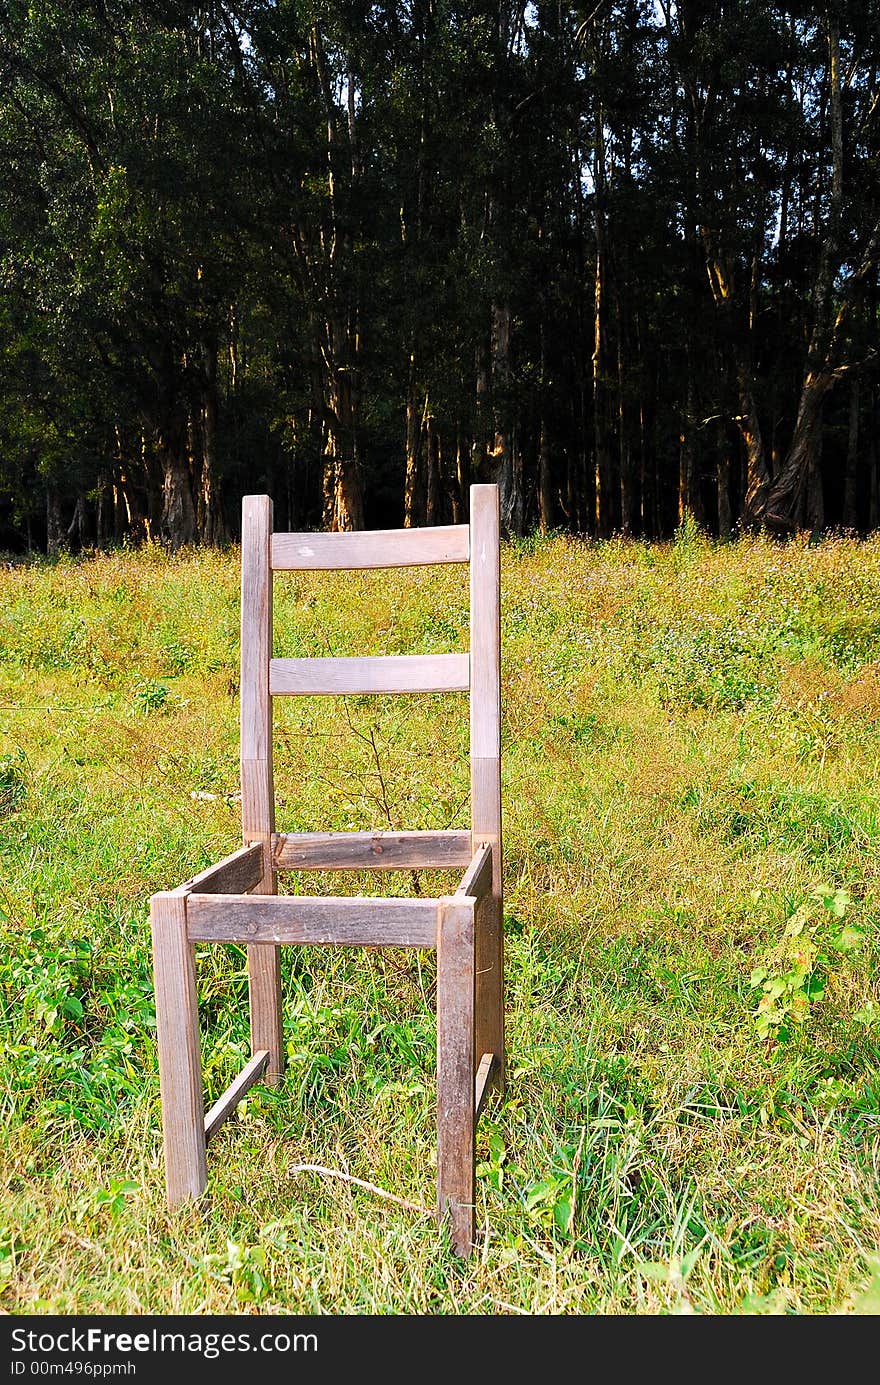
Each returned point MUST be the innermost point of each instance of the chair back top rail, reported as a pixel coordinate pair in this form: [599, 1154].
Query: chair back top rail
[371, 548]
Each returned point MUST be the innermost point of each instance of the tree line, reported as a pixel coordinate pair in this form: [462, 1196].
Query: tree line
[622, 257]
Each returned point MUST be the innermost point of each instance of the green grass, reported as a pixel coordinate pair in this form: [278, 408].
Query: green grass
[691, 746]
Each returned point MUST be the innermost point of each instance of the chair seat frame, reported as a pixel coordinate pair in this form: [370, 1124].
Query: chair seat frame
[235, 901]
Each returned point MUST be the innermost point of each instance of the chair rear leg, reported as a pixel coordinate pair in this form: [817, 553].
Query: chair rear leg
[177, 1029]
[455, 1072]
[264, 989]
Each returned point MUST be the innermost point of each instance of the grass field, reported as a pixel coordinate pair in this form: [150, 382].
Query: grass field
[692, 820]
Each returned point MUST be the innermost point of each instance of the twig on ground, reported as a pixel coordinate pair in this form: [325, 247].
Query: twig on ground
[362, 1183]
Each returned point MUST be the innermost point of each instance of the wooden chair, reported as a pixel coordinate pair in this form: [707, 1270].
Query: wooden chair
[235, 901]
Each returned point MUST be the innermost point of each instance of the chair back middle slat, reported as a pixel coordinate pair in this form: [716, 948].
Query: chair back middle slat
[395, 673]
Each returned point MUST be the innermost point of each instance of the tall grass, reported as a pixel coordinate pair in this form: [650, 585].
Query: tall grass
[691, 746]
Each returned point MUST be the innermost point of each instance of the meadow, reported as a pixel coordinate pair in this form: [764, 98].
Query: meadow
[691, 784]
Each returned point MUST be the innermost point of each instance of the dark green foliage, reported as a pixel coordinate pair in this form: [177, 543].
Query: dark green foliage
[359, 257]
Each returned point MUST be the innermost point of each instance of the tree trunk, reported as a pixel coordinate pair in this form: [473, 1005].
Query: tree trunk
[757, 477]
[209, 518]
[154, 483]
[799, 477]
[102, 528]
[601, 451]
[605, 496]
[515, 504]
[434, 484]
[815, 487]
[545, 486]
[479, 447]
[135, 525]
[686, 452]
[799, 480]
[850, 498]
[415, 487]
[77, 528]
[331, 271]
[724, 469]
[501, 459]
[648, 509]
[645, 515]
[120, 511]
[821, 375]
[54, 522]
[873, 460]
[460, 488]
[178, 510]
[343, 491]
[629, 499]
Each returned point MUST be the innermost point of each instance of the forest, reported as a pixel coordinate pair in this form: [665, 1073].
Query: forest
[621, 257]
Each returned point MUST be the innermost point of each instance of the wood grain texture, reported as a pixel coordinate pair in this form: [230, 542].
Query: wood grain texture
[373, 548]
[485, 656]
[455, 1070]
[393, 673]
[477, 879]
[485, 653]
[258, 815]
[370, 850]
[256, 627]
[177, 1031]
[482, 1085]
[257, 790]
[235, 874]
[353, 922]
[250, 1073]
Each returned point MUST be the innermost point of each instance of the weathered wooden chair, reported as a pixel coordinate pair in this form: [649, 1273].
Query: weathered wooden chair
[235, 901]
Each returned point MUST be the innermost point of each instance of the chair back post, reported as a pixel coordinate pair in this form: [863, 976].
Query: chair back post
[257, 789]
[485, 747]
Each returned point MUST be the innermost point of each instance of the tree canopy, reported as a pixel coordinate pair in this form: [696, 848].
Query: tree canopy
[623, 258]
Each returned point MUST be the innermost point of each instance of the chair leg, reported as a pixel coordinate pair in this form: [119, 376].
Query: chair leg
[264, 990]
[490, 986]
[180, 1071]
[455, 1072]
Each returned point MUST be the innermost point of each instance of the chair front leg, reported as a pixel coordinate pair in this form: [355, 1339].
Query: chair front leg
[177, 1030]
[455, 1070]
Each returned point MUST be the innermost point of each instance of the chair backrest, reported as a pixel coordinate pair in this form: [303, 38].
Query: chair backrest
[264, 677]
